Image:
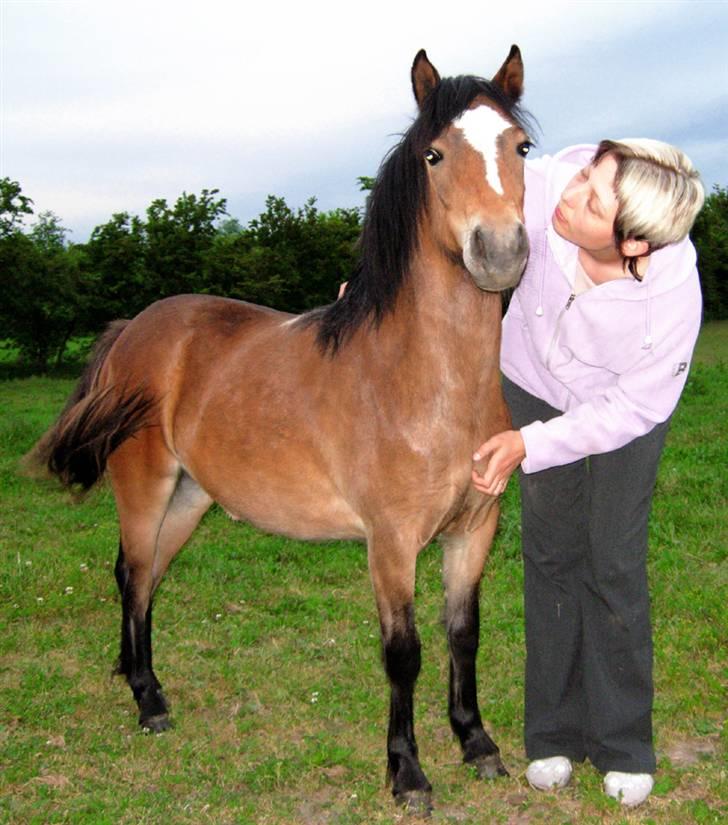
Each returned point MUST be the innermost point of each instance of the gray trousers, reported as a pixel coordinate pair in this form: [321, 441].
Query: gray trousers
[588, 689]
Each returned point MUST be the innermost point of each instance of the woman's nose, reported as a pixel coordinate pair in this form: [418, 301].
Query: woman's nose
[571, 192]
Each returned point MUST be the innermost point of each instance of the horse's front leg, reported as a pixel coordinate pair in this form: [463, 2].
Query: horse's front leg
[392, 568]
[464, 556]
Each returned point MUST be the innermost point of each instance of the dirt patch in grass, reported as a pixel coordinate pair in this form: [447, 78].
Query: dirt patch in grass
[53, 780]
[688, 752]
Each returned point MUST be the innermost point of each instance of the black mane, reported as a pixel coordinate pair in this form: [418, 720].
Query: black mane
[389, 236]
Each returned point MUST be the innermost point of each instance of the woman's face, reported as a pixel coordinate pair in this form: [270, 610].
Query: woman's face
[585, 214]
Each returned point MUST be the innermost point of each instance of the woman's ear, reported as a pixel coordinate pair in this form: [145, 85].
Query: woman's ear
[632, 248]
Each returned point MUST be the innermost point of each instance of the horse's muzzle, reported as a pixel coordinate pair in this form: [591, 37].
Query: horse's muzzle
[496, 258]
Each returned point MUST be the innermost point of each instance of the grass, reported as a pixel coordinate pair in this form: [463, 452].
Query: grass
[268, 650]
[712, 346]
[12, 364]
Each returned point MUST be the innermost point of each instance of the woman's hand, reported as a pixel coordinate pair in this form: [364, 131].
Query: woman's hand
[506, 451]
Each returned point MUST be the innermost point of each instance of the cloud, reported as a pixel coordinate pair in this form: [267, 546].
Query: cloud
[107, 106]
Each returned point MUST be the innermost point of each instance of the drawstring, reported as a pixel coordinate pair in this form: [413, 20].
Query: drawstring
[539, 308]
[647, 340]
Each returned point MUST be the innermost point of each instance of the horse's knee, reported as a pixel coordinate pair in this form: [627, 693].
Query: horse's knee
[121, 571]
[463, 626]
[402, 649]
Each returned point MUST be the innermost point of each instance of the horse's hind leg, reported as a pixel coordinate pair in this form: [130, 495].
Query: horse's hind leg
[135, 660]
[392, 568]
[464, 557]
[158, 510]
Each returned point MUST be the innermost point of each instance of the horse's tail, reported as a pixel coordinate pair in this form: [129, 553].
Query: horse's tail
[94, 422]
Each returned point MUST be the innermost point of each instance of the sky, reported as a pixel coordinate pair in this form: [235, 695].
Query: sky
[107, 106]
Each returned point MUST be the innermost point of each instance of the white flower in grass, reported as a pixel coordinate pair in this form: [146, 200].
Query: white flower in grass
[314, 697]
[40, 599]
[83, 567]
[68, 591]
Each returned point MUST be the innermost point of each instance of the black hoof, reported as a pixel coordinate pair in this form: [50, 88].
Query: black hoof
[489, 767]
[155, 724]
[415, 803]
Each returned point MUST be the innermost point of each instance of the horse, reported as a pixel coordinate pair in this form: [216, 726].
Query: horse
[357, 420]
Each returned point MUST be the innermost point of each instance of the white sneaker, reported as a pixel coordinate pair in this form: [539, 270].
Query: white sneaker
[546, 774]
[631, 789]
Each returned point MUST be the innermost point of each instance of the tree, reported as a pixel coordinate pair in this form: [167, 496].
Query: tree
[237, 267]
[366, 183]
[230, 227]
[286, 258]
[710, 236]
[13, 207]
[177, 240]
[333, 254]
[289, 259]
[40, 307]
[47, 234]
[116, 283]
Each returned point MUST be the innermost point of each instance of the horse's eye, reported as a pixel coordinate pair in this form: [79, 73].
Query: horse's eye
[432, 156]
[524, 148]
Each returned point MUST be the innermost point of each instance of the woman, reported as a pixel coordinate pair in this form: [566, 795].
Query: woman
[596, 346]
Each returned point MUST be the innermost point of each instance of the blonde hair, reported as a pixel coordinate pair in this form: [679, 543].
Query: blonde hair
[659, 192]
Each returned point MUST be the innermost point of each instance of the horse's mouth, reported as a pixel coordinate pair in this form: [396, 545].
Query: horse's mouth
[496, 259]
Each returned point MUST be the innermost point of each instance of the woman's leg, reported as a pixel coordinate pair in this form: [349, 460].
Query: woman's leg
[617, 644]
[554, 508]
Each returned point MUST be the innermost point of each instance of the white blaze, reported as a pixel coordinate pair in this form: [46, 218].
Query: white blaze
[481, 128]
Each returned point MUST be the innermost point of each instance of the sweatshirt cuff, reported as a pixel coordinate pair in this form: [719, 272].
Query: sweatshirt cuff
[531, 463]
[526, 435]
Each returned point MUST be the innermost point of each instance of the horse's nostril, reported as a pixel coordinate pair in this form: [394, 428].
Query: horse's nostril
[479, 246]
[522, 238]
[517, 243]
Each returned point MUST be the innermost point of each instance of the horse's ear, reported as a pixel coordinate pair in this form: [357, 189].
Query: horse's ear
[424, 77]
[510, 75]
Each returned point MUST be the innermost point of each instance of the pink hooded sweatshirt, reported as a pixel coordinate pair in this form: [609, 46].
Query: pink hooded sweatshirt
[615, 358]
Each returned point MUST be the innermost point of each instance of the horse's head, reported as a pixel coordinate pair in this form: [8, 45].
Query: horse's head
[454, 183]
[474, 167]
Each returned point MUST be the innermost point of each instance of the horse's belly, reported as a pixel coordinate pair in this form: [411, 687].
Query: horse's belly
[305, 529]
[303, 508]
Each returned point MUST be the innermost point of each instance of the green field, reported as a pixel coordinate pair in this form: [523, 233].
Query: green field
[268, 650]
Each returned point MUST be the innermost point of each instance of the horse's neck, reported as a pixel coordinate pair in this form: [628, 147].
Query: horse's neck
[437, 354]
[443, 319]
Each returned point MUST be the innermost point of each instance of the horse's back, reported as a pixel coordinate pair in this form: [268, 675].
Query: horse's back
[154, 344]
[193, 313]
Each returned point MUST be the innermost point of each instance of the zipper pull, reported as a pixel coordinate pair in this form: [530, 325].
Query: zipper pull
[570, 301]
